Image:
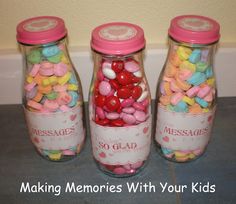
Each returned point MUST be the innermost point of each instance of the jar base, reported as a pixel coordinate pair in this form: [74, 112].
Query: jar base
[189, 157]
[120, 172]
[58, 156]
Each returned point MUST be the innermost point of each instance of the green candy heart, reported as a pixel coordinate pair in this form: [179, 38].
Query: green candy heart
[34, 57]
[201, 66]
[56, 58]
[54, 151]
[170, 107]
[52, 95]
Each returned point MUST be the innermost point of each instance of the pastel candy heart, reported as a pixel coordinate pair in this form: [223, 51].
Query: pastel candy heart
[64, 98]
[60, 69]
[201, 66]
[183, 52]
[74, 99]
[195, 56]
[56, 58]
[34, 57]
[166, 150]
[181, 107]
[176, 98]
[51, 105]
[201, 102]
[209, 72]
[188, 65]
[34, 70]
[204, 91]
[73, 79]
[51, 96]
[197, 78]
[32, 93]
[50, 51]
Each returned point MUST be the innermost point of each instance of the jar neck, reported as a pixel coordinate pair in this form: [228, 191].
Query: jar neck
[62, 43]
[100, 57]
[207, 50]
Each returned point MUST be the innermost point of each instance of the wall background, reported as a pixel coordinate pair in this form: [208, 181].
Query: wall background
[81, 16]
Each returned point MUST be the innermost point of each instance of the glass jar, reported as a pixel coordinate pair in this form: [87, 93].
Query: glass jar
[119, 102]
[52, 94]
[186, 93]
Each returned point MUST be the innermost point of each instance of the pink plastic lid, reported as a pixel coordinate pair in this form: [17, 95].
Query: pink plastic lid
[194, 29]
[41, 30]
[117, 38]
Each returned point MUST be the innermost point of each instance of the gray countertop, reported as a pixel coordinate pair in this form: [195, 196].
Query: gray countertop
[20, 163]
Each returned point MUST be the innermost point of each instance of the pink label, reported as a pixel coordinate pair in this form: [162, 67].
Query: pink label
[195, 24]
[183, 131]
[41, 24]
[118, 32]
[121, 145]
[55, 131]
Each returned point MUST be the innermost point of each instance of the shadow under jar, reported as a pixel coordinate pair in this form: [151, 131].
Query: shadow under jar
[52, 93]
[119, 102]
[186, 92]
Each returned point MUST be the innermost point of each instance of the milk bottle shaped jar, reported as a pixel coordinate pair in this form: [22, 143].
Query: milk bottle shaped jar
[52, 94]
[119, 104]
[186, 93]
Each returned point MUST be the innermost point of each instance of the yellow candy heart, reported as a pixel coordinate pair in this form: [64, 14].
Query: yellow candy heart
[55, 157]
[183, 52]
[72, 87]
[29, 79]
[188, 100]
[188, 65]
[62, 80]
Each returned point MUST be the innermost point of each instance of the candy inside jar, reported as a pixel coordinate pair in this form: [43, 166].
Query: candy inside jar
[52, 95]
[186, 91]
[120, 115]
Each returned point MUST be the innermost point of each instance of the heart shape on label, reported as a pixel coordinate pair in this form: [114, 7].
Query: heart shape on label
[117, 31]
[145, 130]
[102, 155]
[36, 140]
[166, 139]
[209, 118]
[72, 117]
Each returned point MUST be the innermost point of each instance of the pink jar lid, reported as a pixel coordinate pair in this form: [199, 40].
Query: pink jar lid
[41, 30]
[117, 38]
[194, 29]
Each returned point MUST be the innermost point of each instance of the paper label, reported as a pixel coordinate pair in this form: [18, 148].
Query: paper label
[121, 145]
[118, 32]
[56, 131]
[183, 131]
[195, 24]
[41, 24]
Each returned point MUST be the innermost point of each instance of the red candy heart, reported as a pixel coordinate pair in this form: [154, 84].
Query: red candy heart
[119, 110]
[124, 78]
[130, 86]
[103, 122]
[112, 103]
[124, 93]
[117, 66]
[114, 84]
[118, 122]
[100, 100]
[136, 92]
[135, 79]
